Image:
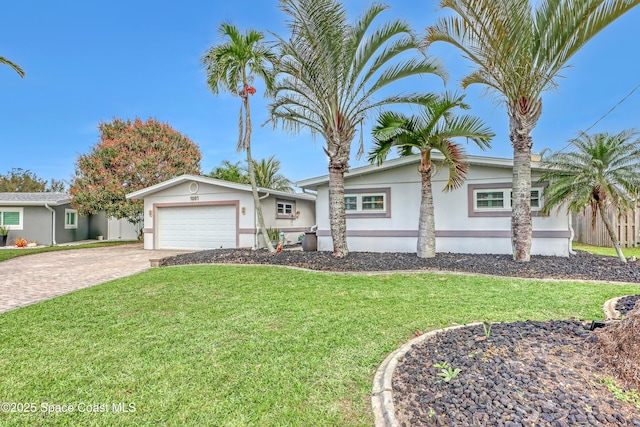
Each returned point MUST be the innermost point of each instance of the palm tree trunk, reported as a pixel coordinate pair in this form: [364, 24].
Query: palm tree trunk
[337, 214]
[610, 230]
[521, 226]
[252, 175]
[426, 222]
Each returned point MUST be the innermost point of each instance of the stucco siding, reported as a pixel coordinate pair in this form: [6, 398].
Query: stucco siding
[201, 194]
[459, 228]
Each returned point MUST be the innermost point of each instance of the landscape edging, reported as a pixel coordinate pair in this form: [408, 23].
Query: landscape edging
[382, 392]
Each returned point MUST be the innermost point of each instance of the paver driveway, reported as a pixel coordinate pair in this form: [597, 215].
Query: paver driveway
[32, 278]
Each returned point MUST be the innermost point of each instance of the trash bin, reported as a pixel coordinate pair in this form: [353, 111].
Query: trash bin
[310, 241]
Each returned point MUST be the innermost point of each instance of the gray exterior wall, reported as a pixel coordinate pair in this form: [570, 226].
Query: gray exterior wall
[98, 225]
[72, 234]
[36, 226]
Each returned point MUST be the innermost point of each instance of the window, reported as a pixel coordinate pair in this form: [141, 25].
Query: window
[372, 202]
[70, 218]
[11, 218]
[285, 208]
[351, 203]
[501, 199]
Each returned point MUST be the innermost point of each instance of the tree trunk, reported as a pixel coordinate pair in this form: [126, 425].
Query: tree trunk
[337, 214]
[426, 223]
[610, 230]
[521, 226]
[252, 175]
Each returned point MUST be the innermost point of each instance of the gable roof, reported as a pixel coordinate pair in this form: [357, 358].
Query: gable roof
[34, 199]
[141, 194]
[314, 183]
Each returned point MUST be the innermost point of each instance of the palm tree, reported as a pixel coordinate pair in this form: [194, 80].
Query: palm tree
[13, 65]
[603, 172]
[232, 66]
[232, 172]
[329, 72]
[433, 130]
[268, 175]
[519, 52]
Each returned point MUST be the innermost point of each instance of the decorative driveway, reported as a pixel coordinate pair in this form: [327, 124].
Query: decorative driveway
[32, 278]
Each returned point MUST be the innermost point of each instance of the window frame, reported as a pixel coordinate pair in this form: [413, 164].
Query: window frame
[361, 193]
[285, 203]
[506, 189]
[67, 225]
[19, 211]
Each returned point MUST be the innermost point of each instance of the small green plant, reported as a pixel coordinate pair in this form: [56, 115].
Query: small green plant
[4, 230]
[630, 395]
[273, 233]
[487, 329]
[447, 373]
[431, 413]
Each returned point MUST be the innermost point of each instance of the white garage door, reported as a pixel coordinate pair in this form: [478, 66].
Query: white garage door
[196, 227]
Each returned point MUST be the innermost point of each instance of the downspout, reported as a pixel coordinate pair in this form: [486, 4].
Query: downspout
[53, 224]
[255, 222]
[571, 235]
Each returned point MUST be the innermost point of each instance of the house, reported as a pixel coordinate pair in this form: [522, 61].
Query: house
[195, 212]
[383, 203]
[49, 219]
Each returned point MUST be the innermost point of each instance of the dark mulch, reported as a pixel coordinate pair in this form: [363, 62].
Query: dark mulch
[626, 304]
[582, 266]
[523, 374]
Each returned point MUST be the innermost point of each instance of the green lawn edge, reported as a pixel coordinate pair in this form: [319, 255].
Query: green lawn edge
[250, 346]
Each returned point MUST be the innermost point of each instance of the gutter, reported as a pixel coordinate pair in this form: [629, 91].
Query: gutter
[255, 221]
[53, 224]
[570, 221]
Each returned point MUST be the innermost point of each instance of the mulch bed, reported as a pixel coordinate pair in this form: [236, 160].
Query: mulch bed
[515, 374]
[582, 266]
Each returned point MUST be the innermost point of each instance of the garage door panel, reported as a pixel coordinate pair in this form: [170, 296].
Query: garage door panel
[196, 227]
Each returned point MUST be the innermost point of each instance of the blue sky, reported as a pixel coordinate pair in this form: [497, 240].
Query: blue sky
[88, 62]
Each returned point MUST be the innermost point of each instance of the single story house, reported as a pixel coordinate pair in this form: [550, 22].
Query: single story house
[196, 212]
[49, 219]
[383, 206]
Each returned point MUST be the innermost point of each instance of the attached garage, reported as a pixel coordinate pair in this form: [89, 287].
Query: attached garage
[196, 227]
[197, 213]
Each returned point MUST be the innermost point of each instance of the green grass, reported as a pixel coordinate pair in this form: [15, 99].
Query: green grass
[598, 250]
[6, 254]
[246, 346]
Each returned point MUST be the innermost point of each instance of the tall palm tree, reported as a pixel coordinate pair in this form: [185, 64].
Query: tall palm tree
[232, 67]
[329, 72]
[13, 65]
[603, 172]
[433, 130]
[268, 175]
[519, 51]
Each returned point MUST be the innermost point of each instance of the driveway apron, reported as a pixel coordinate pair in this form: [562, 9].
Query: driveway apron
[33, 278]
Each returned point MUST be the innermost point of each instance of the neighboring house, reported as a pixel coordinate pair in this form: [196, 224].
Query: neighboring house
[195, 212]
[49, 219]
[383, 204]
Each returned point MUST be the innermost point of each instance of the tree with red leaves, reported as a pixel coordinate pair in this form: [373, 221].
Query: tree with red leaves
[130, 156]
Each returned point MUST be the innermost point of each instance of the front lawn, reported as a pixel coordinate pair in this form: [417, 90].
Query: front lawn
[6, 254]
[607, 251]
[245, 346]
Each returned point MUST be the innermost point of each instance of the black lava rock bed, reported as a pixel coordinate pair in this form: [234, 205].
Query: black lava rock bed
[582, 266]
[515, 374]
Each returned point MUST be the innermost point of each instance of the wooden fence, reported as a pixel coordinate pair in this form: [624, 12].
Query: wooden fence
[626, 226]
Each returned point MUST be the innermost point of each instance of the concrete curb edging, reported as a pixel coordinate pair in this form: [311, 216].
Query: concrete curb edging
[382, 393]
[609, 307]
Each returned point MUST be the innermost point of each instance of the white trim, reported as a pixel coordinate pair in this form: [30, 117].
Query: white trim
[359, 203]
[20, 212]
[506, 199]
[67, 225]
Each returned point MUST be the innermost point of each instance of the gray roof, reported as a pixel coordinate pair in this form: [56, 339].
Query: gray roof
[34, 199]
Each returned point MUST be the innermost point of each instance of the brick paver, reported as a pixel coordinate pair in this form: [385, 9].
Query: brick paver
[32, 278]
